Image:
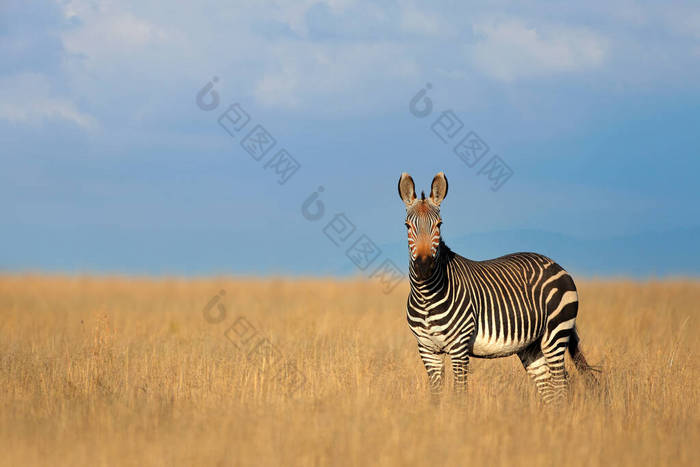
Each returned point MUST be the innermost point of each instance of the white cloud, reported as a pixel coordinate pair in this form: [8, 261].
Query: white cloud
[426, 23]
[125, 60]
[683, 22]
[293, 13]
[511, 50]
[27, 98]
[307, 73]
[108, 33]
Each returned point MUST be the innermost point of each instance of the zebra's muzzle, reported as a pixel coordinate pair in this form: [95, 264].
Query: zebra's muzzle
[423, 266]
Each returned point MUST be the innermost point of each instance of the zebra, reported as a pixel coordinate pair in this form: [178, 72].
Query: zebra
[522, 303]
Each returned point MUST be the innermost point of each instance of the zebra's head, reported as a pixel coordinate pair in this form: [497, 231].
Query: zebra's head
[423, 221]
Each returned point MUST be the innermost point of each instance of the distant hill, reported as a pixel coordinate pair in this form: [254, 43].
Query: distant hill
[650, 254]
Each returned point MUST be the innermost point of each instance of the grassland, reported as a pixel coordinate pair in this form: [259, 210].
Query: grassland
[126, 371]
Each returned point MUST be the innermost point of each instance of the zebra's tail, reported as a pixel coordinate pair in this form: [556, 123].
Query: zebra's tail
[588, 371]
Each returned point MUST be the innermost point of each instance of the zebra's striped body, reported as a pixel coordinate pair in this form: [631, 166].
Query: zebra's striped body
[522, 304]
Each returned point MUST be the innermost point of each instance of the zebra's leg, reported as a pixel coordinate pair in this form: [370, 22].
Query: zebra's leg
[434, 365]
[460, 364]
[536, 366]
[554, 349]
[562, 308]
[561, 319]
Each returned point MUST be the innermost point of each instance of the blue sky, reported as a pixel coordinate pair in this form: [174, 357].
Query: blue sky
[110, 166]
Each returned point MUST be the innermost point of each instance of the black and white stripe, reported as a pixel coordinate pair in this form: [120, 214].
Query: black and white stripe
[523, 304]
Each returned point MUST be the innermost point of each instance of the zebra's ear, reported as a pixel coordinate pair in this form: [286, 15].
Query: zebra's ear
[407, 190]
[438, 190]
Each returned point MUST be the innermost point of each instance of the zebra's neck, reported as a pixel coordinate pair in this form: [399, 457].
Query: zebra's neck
[424, 289]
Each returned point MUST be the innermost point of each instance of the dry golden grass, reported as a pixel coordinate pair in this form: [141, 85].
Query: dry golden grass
[119, 371]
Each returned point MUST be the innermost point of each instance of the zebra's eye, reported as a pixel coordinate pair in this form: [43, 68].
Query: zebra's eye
[439, 224]
[408, 226]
